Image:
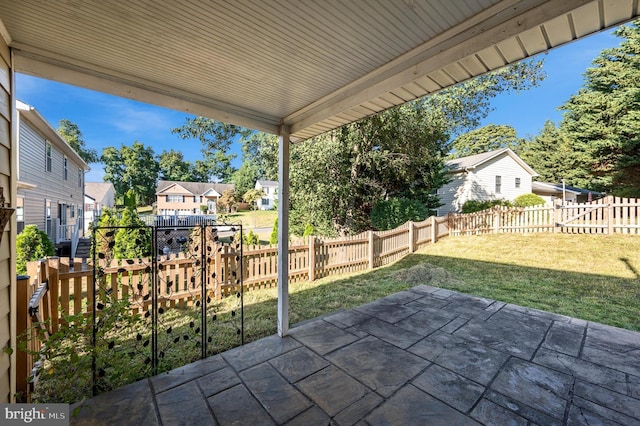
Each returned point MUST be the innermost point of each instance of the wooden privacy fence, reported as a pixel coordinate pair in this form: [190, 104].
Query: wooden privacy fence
[607, 215]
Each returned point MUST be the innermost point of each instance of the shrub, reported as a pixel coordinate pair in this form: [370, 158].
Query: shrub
[391, 213]
[31, 244]
[250, 239]
[473, 206]
[133, 240]
[526, 200]
[274, 233]
[308, 230]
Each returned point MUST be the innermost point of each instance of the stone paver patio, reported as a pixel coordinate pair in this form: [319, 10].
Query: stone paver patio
[425, 356]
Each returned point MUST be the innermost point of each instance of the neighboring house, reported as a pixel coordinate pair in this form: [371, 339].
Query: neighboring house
[51, 178]
[270, 189]
[499, 174]
[97, 197]
[185, 198]
[570, 194]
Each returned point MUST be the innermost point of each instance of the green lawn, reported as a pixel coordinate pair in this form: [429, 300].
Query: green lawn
[593, 277]
[253, 219]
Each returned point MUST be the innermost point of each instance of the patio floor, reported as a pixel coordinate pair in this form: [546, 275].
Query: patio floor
[424, 356]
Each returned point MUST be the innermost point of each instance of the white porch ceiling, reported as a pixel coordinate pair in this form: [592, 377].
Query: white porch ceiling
[310, 65]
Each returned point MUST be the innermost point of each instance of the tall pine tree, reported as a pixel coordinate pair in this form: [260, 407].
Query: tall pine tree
[603, 118]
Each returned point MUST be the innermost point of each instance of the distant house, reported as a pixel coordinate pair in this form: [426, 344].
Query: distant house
[270, 189]
[570, 194]
[185, 198]
[499, 174]
[51, 178]
[97, 197]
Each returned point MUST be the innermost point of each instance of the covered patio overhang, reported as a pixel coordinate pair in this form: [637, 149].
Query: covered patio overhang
[291, 68]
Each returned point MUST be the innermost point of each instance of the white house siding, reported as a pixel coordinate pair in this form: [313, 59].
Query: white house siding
[8, 244]
[49, 185]
[509, 170]
[479, 184]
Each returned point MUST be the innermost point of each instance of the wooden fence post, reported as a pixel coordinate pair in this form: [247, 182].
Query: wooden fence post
[218, 272]
[53, 264]
[496, 219]
[371, 250]
[22, 322]
[412, 240]
[312, 258]
[610, 200]
[434, 229]
[557, 216]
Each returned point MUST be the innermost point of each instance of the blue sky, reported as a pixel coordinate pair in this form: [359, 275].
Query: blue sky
[107, 120]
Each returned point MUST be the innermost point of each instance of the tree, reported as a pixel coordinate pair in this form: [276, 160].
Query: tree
[553, 156]
[251, 197]
[31, 244]
[216, 139]
[338, 177]
[173, 166]
[603, 118]
[244, 179]
[133, 240]
[228, 200]
[71, 133]
[134, 168]
[487, 138]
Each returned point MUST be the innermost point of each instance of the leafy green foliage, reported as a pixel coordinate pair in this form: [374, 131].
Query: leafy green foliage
[132, 167]
[250, 239]
[473, 206]
[71, 133]
[31, 244]
[603, 118]
[308, 230]
[389, 214]
[484, 139]
[554, 157]
[216, 138]
[133, 240]
[274, 233]
[172, 166]
[528, 200]
[338, 177]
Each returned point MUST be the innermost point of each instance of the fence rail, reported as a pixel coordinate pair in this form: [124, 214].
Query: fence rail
[607, 215]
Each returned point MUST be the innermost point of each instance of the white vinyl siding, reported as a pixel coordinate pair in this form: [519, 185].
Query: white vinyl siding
[8, 149]
[48, 186]
[480, 184]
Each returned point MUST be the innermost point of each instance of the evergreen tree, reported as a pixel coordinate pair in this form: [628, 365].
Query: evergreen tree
[603, 118]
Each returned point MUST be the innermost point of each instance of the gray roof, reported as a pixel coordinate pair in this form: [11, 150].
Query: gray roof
[473, 161]
[195, 188]
[264, 183]
[97, 190]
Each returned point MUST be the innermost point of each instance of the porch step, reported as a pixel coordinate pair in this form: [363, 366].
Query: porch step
[84, 248]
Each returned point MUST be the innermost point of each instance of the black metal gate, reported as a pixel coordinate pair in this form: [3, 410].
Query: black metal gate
[158, 300]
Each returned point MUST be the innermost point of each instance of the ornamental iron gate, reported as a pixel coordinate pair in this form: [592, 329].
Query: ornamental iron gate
[163, 297]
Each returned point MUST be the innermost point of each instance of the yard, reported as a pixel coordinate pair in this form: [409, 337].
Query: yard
[593, 277]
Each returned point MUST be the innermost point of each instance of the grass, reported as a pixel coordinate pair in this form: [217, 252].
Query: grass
[254, 219]
[593, 277]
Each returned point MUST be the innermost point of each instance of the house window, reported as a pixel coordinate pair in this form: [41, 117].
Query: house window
[20, 214]
[48, 156]
[265, 201]
[517, 182]
[498, 184]
[79, 178]
[72, 210]
[65, 174]
[175, 198]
